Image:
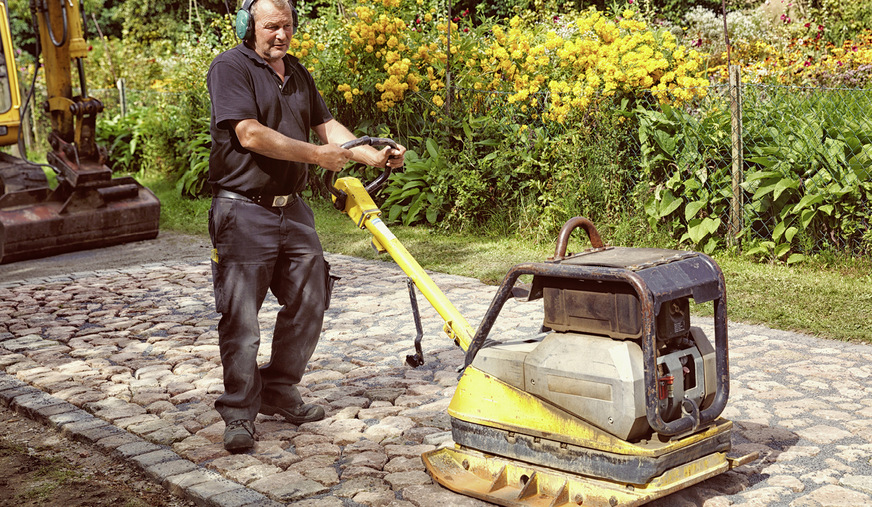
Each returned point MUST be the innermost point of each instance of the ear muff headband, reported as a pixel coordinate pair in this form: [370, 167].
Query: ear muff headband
[245, 22]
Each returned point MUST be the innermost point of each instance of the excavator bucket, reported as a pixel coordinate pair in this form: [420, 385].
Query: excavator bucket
[37, 221]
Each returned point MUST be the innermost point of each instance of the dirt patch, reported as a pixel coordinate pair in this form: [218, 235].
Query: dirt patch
[41, 467]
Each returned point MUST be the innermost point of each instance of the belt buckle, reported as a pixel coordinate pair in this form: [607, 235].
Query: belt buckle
[281, 200]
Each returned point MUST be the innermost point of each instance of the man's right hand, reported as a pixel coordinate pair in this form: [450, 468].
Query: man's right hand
[333, 157]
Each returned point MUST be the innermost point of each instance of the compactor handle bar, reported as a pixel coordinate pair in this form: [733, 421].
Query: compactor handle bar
[373, 186]
[568, 227]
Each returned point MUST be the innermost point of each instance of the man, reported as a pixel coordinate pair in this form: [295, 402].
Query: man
[264, 103]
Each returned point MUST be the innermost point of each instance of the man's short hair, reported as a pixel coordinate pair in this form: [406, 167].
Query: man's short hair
[278, 4]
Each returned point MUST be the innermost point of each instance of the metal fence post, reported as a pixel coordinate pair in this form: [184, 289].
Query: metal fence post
[448, 64]
[738, 162]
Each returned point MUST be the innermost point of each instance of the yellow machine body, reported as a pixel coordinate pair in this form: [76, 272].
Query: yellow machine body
[515, 447]
[10, 97]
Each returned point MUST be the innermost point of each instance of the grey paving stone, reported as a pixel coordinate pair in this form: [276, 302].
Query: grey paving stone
[64, 418]
[161, 471]
[154, 457]
[97, 433]
[8, 395]
[178, 484]
[9, 382]
[241, 497]
[203, 492]
[115, 441]
[133, 449]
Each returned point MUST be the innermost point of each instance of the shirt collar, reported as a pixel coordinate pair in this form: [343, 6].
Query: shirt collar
[290, 60]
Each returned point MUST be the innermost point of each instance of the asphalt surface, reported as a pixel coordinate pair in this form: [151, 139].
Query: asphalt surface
[167, 247]
[118, 347]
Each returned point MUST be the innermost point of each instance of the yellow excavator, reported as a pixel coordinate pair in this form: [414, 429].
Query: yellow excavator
[88, 208]
[616, 401]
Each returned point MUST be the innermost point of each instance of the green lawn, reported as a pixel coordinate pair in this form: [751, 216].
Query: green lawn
[831, 298]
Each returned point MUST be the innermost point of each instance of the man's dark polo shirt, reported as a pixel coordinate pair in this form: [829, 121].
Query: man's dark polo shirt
[243, 86]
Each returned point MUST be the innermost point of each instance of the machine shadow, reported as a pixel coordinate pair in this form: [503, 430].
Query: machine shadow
[770, 442]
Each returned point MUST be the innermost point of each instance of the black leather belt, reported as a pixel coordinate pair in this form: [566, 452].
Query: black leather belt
[270, 201]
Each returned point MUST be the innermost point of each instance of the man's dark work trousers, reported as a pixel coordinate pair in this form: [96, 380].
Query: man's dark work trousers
[260, 248]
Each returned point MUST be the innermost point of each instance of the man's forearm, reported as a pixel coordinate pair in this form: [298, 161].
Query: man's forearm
[265, 141]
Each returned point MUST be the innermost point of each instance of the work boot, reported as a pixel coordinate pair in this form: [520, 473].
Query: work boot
[302, 413]
[239, 435]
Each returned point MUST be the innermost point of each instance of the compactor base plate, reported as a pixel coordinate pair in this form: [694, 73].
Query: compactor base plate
[513, 483]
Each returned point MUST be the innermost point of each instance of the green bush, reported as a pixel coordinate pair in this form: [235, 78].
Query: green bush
[806, 185]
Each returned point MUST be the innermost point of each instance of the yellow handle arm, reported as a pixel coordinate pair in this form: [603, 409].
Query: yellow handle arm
[363, 211]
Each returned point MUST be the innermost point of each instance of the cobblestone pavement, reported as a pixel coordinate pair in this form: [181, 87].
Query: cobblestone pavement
[128, 359]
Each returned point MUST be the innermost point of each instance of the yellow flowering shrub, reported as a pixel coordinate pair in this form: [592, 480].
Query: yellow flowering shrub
[388, 49]
[381, 53]
[584, 57]
[805, 61]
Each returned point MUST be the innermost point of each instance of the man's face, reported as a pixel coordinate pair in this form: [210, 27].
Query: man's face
[273, 29]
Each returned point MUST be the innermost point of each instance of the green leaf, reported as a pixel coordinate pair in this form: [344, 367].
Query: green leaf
[432, 214]
[806, 217]
[711, 225]
[409, 193]
[794, 258]
[781, 250]
[763, 161]
[781, 186]
[710, 246]
[669, 204]
[778, 232]
[432, 149]
[790, 233]
[414, 208]
[696, 231]
[466, 130]
[396, 210]
[693, 208]
[807, 201]
[665, 141]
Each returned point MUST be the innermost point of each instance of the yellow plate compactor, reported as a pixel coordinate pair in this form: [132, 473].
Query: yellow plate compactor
[616, 402]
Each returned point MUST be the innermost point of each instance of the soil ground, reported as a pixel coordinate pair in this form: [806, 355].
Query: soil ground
[41, 467]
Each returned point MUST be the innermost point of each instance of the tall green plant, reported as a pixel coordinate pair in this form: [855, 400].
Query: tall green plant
[685, 158]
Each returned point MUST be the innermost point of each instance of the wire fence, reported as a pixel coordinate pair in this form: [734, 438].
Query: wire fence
[788, 168]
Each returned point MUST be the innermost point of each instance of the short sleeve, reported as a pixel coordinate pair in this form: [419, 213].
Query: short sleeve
[231, 91]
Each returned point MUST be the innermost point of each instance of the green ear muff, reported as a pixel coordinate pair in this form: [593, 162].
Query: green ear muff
[243, 24]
